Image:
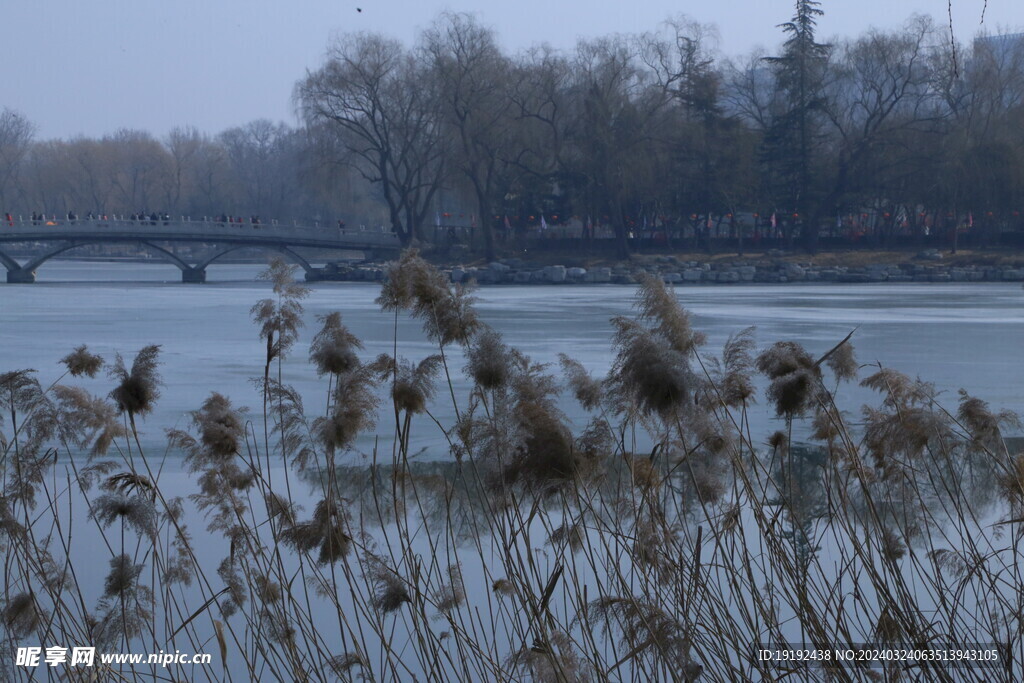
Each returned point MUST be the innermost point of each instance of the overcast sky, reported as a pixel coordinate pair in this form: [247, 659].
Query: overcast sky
[89, 67]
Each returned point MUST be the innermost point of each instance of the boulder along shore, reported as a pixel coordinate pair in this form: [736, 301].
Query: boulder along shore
[769, 268]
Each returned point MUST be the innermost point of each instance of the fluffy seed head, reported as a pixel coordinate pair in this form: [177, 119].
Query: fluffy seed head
[81, 362]
[333, 349]
[138, 389]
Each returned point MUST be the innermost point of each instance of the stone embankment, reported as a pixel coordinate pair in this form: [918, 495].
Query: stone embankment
[925, 267]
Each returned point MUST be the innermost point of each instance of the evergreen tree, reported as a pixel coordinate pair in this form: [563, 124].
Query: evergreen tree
[790, 141]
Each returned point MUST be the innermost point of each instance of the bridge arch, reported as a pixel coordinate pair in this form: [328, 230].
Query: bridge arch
[190, 273]
[19, 273]
[165, 254]
[30, 267]
[288, 252]
[34, 264]
[155, 237]
[9, 263]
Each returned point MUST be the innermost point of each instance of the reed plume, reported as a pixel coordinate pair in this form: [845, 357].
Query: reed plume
[795, 378]
[550, 660]
[80, 362]
[138, 389]
[491, 363]
[136, 511]
[542, 457]
[984, 427]
[412, 385]
[220, 430]
[646, 628]
[656, 303]
[587, 390]
[236, 585]
[452, 593]
[353, 410]
[342, 665]
[20, 393]
[326, 532]
[648, 370]
[413, 285]
[87, 421]
[126, 604]
[267, 590]
[213, 454]
[333, 349]
[734, 377]
[22, 615]
[843, 362]
[280, 319]
[389, 591]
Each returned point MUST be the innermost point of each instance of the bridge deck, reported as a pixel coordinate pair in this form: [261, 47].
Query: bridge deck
[83, 230]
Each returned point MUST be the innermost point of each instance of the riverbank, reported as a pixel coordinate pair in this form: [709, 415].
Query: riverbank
[774, 267]
[771, 267]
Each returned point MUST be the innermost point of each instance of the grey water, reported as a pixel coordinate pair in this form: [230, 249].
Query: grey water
[953, 335]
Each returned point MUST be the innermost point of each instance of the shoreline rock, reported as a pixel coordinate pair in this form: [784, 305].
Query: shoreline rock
[693, 273]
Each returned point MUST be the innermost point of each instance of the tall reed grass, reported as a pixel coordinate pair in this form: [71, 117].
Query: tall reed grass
[659, 540]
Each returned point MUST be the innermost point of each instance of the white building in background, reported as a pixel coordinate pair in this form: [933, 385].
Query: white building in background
[1002, 48]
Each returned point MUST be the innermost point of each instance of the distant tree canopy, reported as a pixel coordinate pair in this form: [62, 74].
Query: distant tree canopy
[261, 168]
[624, 131]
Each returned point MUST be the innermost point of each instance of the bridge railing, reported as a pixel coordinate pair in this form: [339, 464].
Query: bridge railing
[185, 225]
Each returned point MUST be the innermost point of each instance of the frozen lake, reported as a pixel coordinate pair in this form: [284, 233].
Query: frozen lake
[953, 335]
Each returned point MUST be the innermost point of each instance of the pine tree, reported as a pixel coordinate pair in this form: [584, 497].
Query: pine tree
[790, 141]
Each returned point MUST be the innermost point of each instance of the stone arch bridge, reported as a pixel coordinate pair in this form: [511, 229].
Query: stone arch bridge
[46, 239]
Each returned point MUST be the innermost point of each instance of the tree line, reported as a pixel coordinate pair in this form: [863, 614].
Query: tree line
[890, 134]
[257, 169]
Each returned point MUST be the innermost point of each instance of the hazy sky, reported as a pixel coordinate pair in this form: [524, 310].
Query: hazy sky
[92, 66]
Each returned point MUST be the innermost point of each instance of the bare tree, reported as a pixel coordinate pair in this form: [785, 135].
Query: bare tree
[16, 134]
[374, 100]
[184, 145]
[255, 153]
[474, 80]
[879, 94]
[539, 101]
[619, 106]
[140, 166]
